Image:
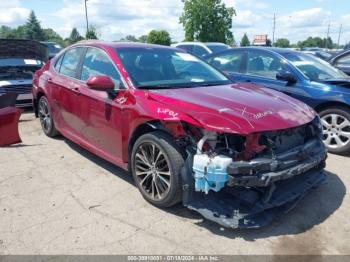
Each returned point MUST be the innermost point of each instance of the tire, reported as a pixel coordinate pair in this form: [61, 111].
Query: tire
[46, 119]
[157, 177]
[336, 129]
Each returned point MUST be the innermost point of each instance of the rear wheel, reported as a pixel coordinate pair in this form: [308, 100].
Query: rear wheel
[45, 116]
[336, 129]
[156, 166]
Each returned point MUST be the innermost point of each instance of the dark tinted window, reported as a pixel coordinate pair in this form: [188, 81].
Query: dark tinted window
[264, 64]
[229, 62]
[97, 62]
[70, 62]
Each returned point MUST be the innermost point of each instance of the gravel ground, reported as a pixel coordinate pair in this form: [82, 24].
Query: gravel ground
[57, 198]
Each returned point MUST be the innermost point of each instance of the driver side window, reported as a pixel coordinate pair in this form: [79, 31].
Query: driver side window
[97, 62]
[264, 64]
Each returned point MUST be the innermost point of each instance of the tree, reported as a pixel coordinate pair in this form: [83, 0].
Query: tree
[74, 36]
[316, 42]
[347, 46]
[160, 37]
[245, 40]
[33, 29]
[91, 33]
[52, 36]
[282, 42]
[207, 21]
[143, 39]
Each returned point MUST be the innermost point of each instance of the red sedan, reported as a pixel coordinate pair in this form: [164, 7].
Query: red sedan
[183, 129]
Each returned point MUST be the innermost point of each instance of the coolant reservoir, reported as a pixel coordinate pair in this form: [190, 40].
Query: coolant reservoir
[210, 173]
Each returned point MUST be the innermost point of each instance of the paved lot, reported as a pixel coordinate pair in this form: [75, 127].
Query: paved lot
[57, 198]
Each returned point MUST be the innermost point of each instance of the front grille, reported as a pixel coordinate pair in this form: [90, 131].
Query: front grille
[18, 89]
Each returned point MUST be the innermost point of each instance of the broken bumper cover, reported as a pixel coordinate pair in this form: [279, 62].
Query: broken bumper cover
[264, 171]
[9, 118]
[255, 200]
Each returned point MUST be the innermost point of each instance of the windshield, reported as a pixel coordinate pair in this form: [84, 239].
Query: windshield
[217, 48]
[168, 68]
[314, 68]
[19, 62]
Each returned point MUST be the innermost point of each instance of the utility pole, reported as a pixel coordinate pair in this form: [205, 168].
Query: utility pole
[341, 27]
[329, 26]
[274, 29]
[86, 16]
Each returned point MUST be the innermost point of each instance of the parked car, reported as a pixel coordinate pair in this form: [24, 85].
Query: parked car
[201, 49]
[53, 47]
[19, 59]
[236, 153]
[301, 76]
[320, 54]
[341, 61]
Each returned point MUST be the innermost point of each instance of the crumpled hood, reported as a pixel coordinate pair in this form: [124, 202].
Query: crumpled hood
[238, 108]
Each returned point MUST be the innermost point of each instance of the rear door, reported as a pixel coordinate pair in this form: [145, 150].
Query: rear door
[65, 91]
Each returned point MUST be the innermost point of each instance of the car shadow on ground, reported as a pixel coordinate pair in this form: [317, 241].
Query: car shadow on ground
[314, 209]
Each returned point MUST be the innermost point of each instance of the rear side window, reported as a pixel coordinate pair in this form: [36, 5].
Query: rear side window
[70, 62]
[230, 62]
[97, 62]
[58, 63]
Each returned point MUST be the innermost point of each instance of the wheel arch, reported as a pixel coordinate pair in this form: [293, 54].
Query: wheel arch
[35, 102]
[329, 104]
[144, 128]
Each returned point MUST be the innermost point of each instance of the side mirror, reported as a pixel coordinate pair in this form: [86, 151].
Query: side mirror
[287, 76]
[101, 83]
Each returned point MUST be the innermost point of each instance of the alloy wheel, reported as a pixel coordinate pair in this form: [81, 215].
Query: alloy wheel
[152, 171]
[336, 131]
[44, 115]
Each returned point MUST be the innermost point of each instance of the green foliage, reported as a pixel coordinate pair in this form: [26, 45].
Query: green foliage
[74, 36]
[316, 42]
[207, 21]
[245, 40]
[33, 28]
[143, 39]
[91, 33]
[160, 37]
[52, 36]
[282, 42]
[347, 46]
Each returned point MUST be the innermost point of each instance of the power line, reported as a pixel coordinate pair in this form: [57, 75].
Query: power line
[274, 29]
[86, 16]
[341, 27]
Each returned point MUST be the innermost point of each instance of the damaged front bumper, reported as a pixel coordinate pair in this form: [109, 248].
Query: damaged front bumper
[260, 190]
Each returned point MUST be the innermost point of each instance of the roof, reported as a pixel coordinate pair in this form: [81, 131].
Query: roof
[119, 44]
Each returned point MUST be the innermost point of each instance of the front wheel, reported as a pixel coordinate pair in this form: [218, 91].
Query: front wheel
[156, 164]
[45, 116]
[336, 129]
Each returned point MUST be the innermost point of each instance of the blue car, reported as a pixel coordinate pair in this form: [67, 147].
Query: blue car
[301, 76]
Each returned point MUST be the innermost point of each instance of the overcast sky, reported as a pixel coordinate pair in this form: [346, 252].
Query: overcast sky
[114, 19]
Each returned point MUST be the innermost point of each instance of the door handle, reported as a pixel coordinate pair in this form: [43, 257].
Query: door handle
[76, 90]
[248, 81]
